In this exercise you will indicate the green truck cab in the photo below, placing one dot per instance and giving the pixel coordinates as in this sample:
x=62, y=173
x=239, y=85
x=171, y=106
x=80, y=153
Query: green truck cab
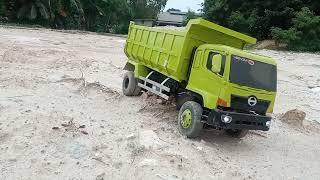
x=215, y=82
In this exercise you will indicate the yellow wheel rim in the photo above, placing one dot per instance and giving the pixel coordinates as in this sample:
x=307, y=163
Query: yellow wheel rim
x=186, y=119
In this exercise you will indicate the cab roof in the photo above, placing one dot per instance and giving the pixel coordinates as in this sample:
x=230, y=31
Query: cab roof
x=239, y=52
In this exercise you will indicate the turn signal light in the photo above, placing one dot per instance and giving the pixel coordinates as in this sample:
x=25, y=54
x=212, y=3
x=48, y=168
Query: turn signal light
x=222, y=102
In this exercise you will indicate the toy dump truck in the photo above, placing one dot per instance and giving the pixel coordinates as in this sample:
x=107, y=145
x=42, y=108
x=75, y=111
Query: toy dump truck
x=215, y=82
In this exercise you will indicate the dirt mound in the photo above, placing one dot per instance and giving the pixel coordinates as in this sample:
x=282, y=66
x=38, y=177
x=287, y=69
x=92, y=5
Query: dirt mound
x=270, y=44
x=294, y=117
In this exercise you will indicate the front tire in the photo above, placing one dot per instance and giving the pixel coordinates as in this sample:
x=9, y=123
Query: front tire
x=130, y=85
x=237, y=133
x=189, y=119
x=181, y=100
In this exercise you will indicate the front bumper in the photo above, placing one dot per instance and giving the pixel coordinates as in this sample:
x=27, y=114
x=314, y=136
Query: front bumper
x=239, y=120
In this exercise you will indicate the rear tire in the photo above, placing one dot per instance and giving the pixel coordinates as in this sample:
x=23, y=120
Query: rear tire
x=130, y=85
x=237, y=133
x=189, y=119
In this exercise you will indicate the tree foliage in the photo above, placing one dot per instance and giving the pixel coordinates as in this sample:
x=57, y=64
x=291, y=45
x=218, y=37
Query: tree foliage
x=303, y=35
x=93, y=15
x=265, y=19
x=190, y=15
x=256, y=17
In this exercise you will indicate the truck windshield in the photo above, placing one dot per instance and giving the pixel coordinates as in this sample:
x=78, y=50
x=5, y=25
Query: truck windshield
x=255, y=74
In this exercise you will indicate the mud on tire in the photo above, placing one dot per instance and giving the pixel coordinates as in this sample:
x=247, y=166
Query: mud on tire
x=130, y=85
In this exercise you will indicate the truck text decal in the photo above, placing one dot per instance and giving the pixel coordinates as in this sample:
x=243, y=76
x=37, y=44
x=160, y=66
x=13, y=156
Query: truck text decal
x=249, y=61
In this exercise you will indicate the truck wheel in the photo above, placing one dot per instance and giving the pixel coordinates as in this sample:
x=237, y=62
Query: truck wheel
x=189, y=119
x=181, y=100
x=130, y=85
x=237, y=133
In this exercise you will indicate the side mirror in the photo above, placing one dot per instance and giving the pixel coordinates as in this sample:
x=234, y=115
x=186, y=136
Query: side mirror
x=216, y=63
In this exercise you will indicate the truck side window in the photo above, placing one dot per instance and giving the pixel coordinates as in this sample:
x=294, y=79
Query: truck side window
x=209, y=62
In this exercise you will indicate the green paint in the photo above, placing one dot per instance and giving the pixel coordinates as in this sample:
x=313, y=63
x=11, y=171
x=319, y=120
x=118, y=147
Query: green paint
x=169, y=52
x=186, y=120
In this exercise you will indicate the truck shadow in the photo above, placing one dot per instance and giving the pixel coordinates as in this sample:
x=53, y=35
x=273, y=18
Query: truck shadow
x=219, y=138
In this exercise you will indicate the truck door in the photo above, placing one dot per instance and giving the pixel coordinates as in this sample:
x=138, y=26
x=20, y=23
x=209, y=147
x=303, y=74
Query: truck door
x=203, y=80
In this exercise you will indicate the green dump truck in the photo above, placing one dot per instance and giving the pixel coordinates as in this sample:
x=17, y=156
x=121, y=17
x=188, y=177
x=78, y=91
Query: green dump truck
x=215, y=82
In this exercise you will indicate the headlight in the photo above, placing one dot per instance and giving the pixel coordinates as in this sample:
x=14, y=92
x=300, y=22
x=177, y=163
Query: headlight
x=268, y=124
x=226, y=119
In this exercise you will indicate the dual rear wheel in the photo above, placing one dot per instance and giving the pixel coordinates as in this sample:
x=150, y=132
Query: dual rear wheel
x=130, y=84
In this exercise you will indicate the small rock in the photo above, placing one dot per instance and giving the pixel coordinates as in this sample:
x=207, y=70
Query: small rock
x=55, y=128
x=149, y=139
x=101, y=176
x=84, y=132
x=148, y=162
x=199, y=148
x=82, y=126
x=160, y=101
x=131, y=136
x=175, y=176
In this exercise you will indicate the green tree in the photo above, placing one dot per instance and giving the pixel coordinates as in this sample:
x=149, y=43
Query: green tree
x=2, y=8
x=146, y=9
x=93, y=15
x=114, y=17
x=256, y=17
x=190, y=15
x=303, y=35
x=2, y=12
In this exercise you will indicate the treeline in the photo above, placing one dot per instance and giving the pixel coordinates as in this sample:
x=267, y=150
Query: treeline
x=92, y=15
x=294, y=22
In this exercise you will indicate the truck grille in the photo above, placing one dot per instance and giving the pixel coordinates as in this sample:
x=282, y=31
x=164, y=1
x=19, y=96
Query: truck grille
x=240, y=104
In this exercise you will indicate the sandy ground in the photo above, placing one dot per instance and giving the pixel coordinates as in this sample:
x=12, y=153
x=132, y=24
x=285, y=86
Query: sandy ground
x=63, y=116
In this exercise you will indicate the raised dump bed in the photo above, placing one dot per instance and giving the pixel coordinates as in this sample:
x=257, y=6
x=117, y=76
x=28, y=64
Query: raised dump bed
x=169, y=51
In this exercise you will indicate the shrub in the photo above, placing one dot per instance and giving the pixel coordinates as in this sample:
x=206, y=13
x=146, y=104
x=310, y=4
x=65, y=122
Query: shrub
x=304, y=35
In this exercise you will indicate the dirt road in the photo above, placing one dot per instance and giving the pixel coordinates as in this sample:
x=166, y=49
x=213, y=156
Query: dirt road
x=63, y=116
